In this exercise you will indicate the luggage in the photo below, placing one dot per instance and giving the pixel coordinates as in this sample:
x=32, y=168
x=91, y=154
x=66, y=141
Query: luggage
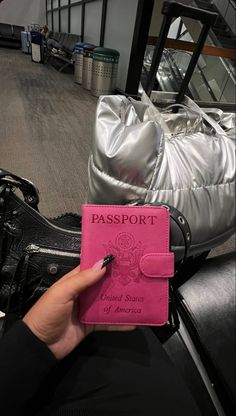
x=172, y=10
x=183, y=158
x=37, y=46
x=34, y=27
x=26, y=42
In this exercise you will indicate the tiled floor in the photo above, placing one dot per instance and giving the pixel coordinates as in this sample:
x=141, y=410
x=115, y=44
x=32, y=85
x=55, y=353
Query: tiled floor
x=46, y=123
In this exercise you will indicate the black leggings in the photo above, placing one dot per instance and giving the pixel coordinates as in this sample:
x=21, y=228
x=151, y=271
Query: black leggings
x=118, y=373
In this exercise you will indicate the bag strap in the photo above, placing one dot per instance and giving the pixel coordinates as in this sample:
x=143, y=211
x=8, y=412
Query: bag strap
x=154, y=114
x=28, y=189
x=190, y=104
x=183, y=225
x=166, y=331
x=188, y=111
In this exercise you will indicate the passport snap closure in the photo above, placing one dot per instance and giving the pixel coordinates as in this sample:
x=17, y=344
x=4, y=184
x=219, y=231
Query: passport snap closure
x=159, y=265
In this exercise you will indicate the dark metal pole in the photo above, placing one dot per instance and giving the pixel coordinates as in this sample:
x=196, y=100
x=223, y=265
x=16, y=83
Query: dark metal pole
x=179, y=29
x=139, y=43
x=103, y=22
x=52, y=14
x=59, y=15
x=69, y=9
x=46, y=9
x=82, y=22
x=158, y=53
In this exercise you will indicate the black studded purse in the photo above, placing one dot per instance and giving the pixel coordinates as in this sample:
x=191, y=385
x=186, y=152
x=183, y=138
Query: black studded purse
x=34, y=251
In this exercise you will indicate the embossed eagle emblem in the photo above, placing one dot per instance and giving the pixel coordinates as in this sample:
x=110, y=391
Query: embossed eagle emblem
x=127, y=254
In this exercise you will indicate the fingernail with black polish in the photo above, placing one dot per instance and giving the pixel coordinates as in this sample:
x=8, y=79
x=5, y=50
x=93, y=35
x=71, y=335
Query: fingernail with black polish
x=102, y=263
x=107, y=260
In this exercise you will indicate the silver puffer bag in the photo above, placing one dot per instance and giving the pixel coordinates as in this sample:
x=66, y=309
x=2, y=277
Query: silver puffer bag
x=185, y=159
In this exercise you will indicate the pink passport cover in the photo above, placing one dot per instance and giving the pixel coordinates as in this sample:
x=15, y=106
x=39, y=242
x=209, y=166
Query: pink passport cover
x=135, y=288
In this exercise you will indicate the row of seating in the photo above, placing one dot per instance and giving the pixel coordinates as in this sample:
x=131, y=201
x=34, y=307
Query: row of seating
x=67, y=42
x=10, y=35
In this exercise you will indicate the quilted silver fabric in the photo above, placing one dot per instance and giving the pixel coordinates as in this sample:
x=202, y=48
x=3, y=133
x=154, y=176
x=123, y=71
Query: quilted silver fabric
x=185, y=159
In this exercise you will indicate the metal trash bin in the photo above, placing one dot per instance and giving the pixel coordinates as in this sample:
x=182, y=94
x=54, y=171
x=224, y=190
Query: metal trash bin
x=78, y=58
x=87, y=66
x=105, y=65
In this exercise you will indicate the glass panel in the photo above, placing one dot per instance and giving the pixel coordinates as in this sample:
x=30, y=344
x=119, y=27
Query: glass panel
x=56, y=21
x=75, y=20
x=220, y=76
x=174, y=28
x=228, y=92
x=64, y=2
x=48, y=4
x=222, y=33
x=227, y=11
x=55, y=4
x=213, y=78
x=64, y=20
x=49, y=20
x=195, y=28
x=74, y=1
x=92, y=22
x=189, y=30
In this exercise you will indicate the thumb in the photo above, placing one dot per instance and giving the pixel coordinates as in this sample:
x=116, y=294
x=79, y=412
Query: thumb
x=74, y=285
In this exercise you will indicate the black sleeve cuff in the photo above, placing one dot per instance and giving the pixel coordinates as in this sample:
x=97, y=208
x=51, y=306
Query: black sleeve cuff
x=25, y=362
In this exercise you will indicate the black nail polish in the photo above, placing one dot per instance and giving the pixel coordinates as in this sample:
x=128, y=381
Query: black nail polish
x=107, y=260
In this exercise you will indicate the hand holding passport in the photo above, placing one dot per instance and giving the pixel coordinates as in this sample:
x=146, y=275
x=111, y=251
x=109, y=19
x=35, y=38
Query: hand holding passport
x=135, y=288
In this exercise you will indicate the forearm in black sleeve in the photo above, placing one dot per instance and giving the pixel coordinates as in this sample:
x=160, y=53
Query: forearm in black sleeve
x=25, y=362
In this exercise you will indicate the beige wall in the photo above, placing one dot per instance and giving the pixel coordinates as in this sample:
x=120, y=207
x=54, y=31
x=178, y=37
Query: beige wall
x=22, y=12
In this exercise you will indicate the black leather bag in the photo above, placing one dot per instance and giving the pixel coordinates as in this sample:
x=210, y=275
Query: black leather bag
x=36, y=251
